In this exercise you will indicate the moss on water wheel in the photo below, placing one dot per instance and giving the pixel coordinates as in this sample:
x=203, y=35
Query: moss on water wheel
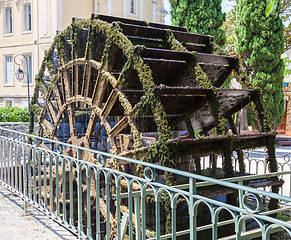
x=77, y=47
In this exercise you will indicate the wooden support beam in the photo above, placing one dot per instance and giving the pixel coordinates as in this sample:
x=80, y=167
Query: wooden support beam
x=86, y=80
x=109, y=103
x=91, y=126
x=123, y=123
x=51, y=111
x=240, y=155
x=99, y=90
x=70, y=109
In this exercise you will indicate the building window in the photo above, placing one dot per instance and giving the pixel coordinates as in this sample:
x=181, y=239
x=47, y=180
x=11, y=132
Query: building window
x=8, y=20
x=132, y=7
x=27, y=17
x=98, y=7
x=9, y=76
x=29, y=62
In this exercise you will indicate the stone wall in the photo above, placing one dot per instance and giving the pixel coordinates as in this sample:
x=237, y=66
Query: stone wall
x=16, y=126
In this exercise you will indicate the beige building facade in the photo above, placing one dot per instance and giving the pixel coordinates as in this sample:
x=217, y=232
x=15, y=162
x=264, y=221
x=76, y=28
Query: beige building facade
x=28, y=27
x=285, y=127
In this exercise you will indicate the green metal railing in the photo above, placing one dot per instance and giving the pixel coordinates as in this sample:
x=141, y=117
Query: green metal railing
x=99, y=202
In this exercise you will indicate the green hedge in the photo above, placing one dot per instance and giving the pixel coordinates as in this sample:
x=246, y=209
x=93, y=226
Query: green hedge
x=14, y=114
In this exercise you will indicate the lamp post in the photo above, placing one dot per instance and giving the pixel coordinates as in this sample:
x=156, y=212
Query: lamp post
x=19, y=74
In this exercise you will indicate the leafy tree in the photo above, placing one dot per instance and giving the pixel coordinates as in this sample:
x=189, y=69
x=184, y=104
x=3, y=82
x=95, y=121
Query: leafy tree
x=286, y=17
x=260, y=44
x=230, y=23
x=271, y=7
x=287, y=62
x=199, y=16
x=228, y=27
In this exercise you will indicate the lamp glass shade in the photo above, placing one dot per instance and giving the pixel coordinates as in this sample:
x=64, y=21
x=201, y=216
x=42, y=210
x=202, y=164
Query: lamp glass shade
x=19, y=74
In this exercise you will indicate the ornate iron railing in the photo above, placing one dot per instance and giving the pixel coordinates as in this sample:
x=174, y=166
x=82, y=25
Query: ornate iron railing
x=97, y=202
x=256, y=163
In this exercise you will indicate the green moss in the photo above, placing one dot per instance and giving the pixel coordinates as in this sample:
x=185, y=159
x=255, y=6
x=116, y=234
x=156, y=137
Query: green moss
x=35, y=108
x=173, y=43
x=218, y=50
x=201, y=77
x=114, y=37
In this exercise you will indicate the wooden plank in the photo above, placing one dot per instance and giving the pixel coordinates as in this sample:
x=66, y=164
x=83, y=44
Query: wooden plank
x=144, y=41
x=142, y=31
x=154, y=32
x=57, y=96
x=111, y=19
x=47, y=126
x=216, y=59
x=91, y=125
x=86, y=80
x=201, y=146
x=99, y=90
x=162, y=53
x=109, y=103
x=123, y=123
x=70, y=109
x=51, y=111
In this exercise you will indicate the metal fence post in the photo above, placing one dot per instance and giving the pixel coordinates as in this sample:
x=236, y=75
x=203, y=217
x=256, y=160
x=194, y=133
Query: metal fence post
x=80, y=212
x=193, y=220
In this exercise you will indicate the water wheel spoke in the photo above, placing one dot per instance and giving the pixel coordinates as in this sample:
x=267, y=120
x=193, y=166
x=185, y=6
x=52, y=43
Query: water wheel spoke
x=42, y=145
x=97, y=136
x=109, y=103
x=91, y=125
x=123, y=123
x=86, y=80
x=75, y=74
x=70, y=109
x=57, y=95
x=126, y=68
x=62, y=89
x=45, y=124
x=43, y=90
x=51, y=111
x=51, y=69
x=99, y=90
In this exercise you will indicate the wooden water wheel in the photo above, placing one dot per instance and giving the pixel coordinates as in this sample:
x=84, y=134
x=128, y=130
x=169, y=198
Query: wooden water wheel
x=120, y=85
x=142, y=90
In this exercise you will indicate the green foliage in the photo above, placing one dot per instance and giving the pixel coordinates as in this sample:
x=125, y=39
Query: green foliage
x=271, y=7
x=260, y=44
x=200, y=16
x=227, y=83
x=228, y=27
x=287, y=63
x=231, y=22
x=282, y=235
x=14, y=114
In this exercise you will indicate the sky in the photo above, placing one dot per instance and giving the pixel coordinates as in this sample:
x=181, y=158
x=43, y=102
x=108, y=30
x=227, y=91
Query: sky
x=226, y=6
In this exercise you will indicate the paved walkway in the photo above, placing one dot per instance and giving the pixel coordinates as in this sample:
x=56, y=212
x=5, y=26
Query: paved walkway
x=18, y=225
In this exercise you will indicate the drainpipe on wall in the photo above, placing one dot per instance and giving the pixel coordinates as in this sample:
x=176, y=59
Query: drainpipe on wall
x=154, y=11
x=124, y=8
x=109, y=8
x=141, y=10
x=36, y=46
x=93, y=2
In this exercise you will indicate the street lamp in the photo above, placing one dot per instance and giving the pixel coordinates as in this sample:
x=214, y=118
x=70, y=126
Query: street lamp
x=19, y=74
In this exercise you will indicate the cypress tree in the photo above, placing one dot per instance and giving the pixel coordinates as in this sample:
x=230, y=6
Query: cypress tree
x=260, y=44
x=199, y=16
